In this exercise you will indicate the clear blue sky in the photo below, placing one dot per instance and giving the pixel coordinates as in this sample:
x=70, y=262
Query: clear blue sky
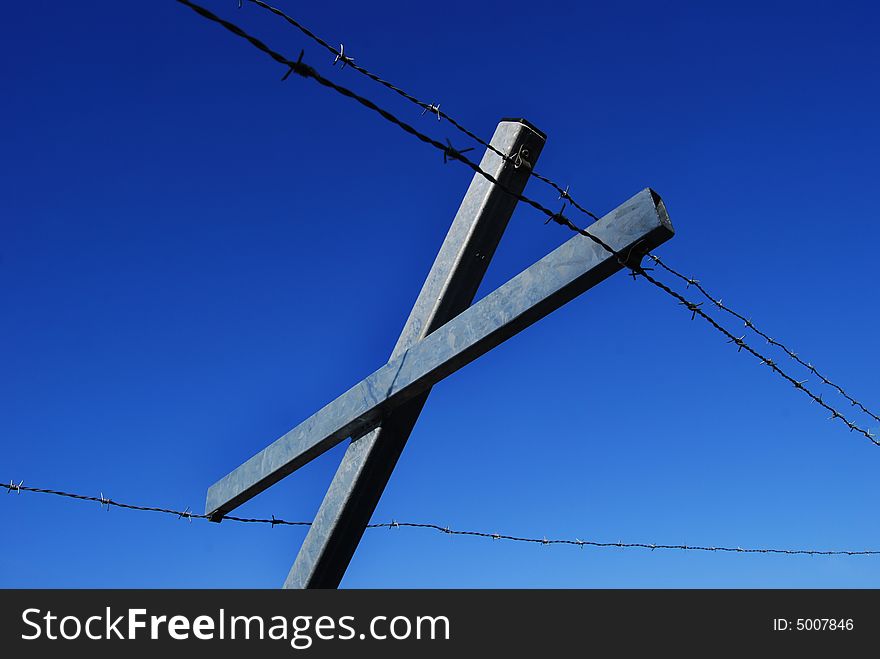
x=196, y=256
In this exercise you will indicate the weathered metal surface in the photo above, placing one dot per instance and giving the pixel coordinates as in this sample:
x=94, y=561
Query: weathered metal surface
x=448, y=290
x=638, y=225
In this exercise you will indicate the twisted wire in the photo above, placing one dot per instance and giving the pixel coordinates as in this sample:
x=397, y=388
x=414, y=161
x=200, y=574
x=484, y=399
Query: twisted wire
x=577, y=542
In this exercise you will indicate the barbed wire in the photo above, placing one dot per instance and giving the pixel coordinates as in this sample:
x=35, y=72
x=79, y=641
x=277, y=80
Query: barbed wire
x=107, y=503
x=433, y=108
x=302, y=69
x=747, y=322
x=449, y=153
x=273, y=521
x=741, y=344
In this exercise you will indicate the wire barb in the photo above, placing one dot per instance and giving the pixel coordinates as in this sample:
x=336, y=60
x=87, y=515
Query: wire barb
x=342, y=57
x=434, y=109
x=692, y=307
x=450, y=153
x=298, y=67
x=559, y=218
x=739, y=341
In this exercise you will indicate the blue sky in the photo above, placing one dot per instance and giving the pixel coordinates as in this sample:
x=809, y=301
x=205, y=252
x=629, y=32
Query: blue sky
x=196, y=256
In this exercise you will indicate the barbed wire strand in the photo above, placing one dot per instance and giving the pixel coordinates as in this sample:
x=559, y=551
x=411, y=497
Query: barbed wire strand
x=339, y=55
x=306, y=71
x=273, y=521
x=107, y=503
x=748, y=323
x=741, y=344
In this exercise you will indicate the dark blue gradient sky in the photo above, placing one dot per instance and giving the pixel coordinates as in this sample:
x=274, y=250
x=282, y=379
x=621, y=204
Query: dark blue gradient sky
x=195, y=256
